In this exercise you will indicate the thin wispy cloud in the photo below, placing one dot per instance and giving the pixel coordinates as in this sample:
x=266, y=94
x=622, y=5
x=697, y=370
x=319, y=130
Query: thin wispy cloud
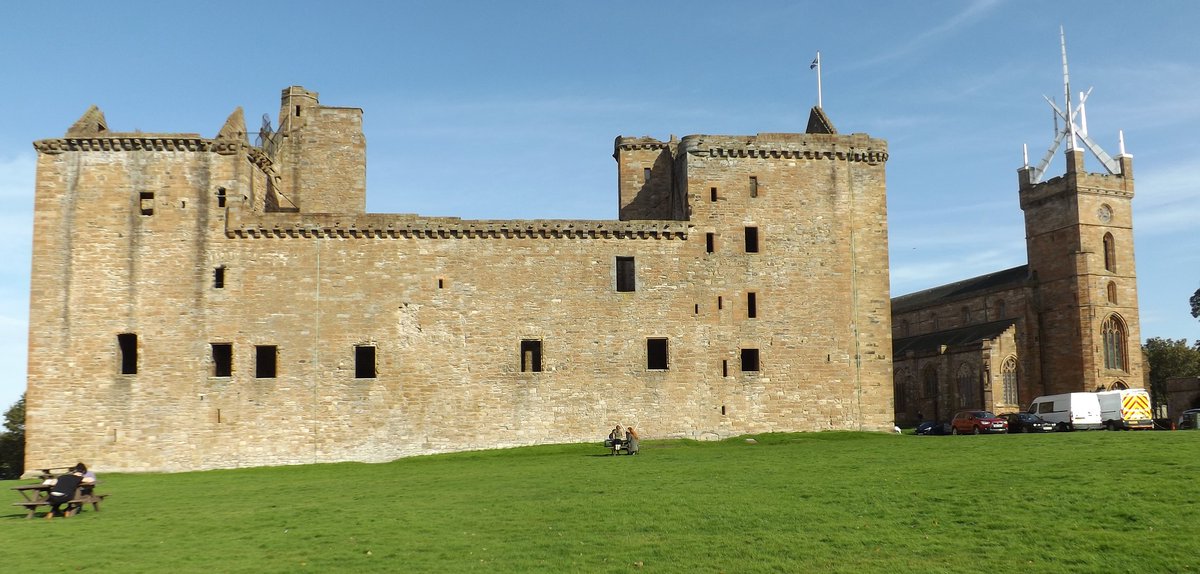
x=973, y=13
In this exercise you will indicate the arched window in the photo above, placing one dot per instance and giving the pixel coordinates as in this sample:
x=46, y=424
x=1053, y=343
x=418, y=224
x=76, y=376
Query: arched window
x=1112, y=292
x=1001, y=309
x=966, y=386
x=1118, y=386
x=1008, y=374
x=1114, y=343
x=1110, y=253
x=931, y=382
x=902, y=388
x=966, y=316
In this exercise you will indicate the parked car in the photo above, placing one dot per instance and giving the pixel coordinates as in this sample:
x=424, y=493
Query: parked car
x=1025, y=422
x=976, y=422
x=933, y=428
x=1190, y=419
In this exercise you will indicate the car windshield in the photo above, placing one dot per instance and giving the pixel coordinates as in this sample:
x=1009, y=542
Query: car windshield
x=984, y=415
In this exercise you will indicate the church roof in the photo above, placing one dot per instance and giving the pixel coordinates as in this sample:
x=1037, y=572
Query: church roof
x=951, y=338
x=994, y=281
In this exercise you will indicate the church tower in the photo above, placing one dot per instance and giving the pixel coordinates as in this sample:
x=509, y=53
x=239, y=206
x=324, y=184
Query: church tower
x=1079, y=238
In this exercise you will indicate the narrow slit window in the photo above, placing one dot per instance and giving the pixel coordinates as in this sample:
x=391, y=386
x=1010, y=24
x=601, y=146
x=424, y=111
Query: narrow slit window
x=751, y=240
x=749, y=360
x=724, y=368
x=441, y=283
x=297, y=111
x=531, y=356
x=127, y=345
x=697, y=308
x=712, y=194
x=753, y=186
x=751, y=305
x=1110, y=253
x=720, y=302
x=266, y=361
x=625, y=274
x=646, y=175
x=222, y=359
x=146, y=202
x=219, y=277
x=364, y=361
x=656, y=354
x=221, y=197
x=710, y=242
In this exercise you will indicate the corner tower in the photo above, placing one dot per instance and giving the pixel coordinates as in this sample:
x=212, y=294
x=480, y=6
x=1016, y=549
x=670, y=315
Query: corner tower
x=321, y=155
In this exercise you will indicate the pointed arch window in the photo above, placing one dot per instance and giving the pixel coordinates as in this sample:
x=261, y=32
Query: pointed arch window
x=1110, y=253
x=931, y=382
x=966, y=386
x=1114, y=343
x=1112, y=292
x=1008, y=374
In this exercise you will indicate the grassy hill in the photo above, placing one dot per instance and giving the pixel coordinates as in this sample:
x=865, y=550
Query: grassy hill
x=814, y=502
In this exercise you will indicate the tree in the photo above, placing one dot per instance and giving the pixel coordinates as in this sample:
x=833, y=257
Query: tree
x=12, y=441
x=1167, y=358
x=1195, y=301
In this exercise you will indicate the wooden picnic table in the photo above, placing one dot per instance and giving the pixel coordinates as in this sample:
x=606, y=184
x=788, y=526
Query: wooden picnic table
x=36, y=495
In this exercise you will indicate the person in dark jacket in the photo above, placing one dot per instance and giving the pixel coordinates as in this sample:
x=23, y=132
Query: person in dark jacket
x=63, y=490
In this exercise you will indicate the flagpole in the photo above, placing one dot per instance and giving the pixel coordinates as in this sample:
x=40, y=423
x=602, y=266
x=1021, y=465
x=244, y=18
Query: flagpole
x=818, y=61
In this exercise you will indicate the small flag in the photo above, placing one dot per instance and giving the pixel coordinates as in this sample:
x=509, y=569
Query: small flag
x=816, y=61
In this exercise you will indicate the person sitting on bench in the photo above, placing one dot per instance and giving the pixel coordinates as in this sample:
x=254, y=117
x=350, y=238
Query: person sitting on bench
x=62, y=491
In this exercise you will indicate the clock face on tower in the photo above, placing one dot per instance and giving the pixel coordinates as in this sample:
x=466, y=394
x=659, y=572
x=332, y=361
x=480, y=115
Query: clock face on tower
x=1104, y=214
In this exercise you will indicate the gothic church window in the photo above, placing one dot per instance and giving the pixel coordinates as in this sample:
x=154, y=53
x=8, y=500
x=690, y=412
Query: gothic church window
x=1008, y=374
x=625, y=274
x=1112, y=292
x=931, y=382
x=1110, y=253
x=1114, y=343
x=1001, y=309
x=966, y=387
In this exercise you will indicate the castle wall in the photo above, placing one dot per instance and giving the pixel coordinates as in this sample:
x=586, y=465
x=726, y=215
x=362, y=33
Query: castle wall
x=446, y=304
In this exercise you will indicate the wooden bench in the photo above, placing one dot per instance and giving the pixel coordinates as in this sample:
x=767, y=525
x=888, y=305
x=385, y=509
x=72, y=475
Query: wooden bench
x=73, y=506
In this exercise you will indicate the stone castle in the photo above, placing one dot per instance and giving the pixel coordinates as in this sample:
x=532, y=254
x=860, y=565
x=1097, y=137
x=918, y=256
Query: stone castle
x=207, y=303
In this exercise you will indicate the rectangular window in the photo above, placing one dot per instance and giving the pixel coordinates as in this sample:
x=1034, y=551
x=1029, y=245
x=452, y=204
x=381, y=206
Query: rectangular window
x=712, y=194
x=127, y=344
x=724, y=368
x=147, y=202
x=531, y=356
x=219, y=277
x=749, y=360
x=266, y=360
x=751, y=240
x=656, y=354
x=753, y=186
x=751, y=305
x=646, y=175
x=710, y=240
x=364, y=361
x=220, y=197
x=625, y=275
x=222, y=359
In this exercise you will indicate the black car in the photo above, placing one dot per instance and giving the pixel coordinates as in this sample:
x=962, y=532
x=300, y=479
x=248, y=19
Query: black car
x=1027, y=422
x=934, y=428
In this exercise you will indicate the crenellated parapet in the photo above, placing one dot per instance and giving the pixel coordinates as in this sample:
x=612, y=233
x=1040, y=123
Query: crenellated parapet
x=854, y=148
x=405, y=226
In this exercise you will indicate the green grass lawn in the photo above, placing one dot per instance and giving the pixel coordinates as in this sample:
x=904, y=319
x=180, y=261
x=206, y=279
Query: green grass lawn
x=814, y=502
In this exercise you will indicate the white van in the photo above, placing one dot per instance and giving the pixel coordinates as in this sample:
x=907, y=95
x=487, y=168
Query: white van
x=1125, y=409
x=1069, y=411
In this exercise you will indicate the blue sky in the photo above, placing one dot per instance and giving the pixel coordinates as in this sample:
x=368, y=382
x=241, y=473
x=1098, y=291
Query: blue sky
x=509, y=109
